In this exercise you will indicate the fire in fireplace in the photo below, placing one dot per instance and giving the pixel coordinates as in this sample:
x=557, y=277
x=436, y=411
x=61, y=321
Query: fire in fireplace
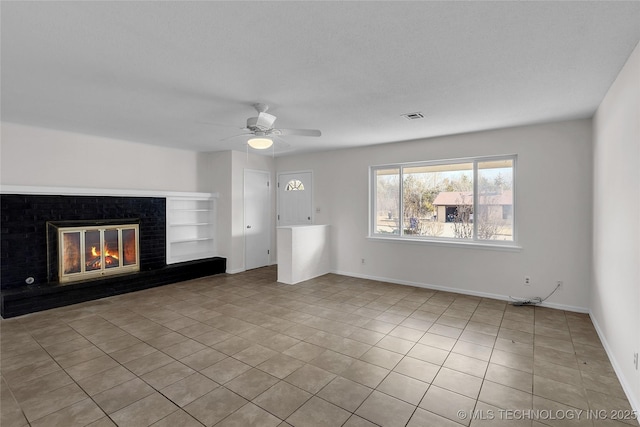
x=95, y=251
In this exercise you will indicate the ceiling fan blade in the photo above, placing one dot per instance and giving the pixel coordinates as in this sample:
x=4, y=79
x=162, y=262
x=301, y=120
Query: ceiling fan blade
x=234, y=136
x=300, y=132
x=281, y=143
x=212, y=123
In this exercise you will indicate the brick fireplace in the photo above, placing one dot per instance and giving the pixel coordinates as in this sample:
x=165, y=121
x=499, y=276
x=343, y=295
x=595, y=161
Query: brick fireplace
x=30, y=277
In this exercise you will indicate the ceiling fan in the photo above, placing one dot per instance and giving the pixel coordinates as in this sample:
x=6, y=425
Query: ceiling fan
x=261, y=127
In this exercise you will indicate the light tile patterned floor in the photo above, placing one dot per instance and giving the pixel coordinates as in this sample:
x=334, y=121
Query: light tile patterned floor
x=243, y=350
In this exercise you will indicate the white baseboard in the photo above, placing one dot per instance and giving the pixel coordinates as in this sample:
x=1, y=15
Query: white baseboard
x=241, y=270
x=634, y=401
x=458, y=290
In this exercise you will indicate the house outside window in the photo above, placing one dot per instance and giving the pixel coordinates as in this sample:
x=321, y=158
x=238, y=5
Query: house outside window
x=464, y=200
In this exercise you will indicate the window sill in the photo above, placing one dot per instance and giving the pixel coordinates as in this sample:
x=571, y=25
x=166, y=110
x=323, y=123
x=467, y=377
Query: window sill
x=508, y=247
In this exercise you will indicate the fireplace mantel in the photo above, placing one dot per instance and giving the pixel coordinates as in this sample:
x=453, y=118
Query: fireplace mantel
x=84, y=191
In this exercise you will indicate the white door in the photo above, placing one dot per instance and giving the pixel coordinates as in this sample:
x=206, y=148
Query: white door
x=257, y=219
x=295, y=198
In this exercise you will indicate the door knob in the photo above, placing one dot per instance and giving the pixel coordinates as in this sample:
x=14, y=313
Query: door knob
x=248, y=226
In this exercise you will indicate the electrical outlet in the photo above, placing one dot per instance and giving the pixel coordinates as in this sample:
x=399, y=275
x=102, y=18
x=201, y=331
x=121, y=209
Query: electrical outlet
x=635, y=360
x=527, y=280
x=560, y=285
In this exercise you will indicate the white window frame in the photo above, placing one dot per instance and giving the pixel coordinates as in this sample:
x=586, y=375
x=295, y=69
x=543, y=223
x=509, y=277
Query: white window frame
x=446, y=241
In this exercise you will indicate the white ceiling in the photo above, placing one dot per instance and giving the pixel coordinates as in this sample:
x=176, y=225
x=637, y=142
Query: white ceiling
x=156, y=72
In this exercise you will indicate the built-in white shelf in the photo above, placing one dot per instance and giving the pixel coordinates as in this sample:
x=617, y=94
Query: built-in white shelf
x=192, y=240
x=191, y=230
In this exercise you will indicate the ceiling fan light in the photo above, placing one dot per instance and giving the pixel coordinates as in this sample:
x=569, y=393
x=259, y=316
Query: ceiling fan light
x=260, y=143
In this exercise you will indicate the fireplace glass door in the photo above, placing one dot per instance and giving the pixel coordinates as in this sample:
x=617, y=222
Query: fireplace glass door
x=87, y=252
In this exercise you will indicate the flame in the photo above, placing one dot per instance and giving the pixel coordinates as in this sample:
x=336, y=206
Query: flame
x=107, y=253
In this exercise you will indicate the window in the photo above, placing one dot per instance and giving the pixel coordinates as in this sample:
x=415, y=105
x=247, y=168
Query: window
x=294, y=185
x=468, y=200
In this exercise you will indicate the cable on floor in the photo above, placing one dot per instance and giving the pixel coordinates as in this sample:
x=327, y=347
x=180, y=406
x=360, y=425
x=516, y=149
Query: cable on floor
x=533, y=300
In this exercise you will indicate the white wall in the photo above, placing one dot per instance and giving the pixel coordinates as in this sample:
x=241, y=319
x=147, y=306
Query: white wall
x=43, y=157
x=227, y=178
x=615, y=291
x=553, y=208
x=219, y=165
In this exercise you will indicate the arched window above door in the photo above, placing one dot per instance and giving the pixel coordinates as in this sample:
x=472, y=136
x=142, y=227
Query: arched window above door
x=294, y=185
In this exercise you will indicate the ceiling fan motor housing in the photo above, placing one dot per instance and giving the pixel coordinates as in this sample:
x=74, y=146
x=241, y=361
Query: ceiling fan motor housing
x=263, y=122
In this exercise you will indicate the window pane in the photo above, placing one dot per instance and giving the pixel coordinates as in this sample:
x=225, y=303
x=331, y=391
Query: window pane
x=129, y=255
x=495, y=200
x=294, y=185
x=111, y=249
x=71, y=258
x=438, y=200
x=93, y=251
x=387, y=203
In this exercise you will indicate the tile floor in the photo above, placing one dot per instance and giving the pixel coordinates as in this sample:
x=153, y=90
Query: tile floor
x=243, y=350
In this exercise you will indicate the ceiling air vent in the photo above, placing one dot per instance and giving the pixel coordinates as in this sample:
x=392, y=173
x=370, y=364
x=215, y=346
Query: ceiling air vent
x=413, y=116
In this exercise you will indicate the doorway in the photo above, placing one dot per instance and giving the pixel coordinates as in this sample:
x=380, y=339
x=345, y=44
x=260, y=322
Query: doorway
x=295, y=198
x=257, y=219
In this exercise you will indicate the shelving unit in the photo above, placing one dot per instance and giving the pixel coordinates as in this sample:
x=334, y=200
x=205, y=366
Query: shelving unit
x=191, y=228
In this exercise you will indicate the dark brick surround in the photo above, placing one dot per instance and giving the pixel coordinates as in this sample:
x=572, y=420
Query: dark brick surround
x=23, y=250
